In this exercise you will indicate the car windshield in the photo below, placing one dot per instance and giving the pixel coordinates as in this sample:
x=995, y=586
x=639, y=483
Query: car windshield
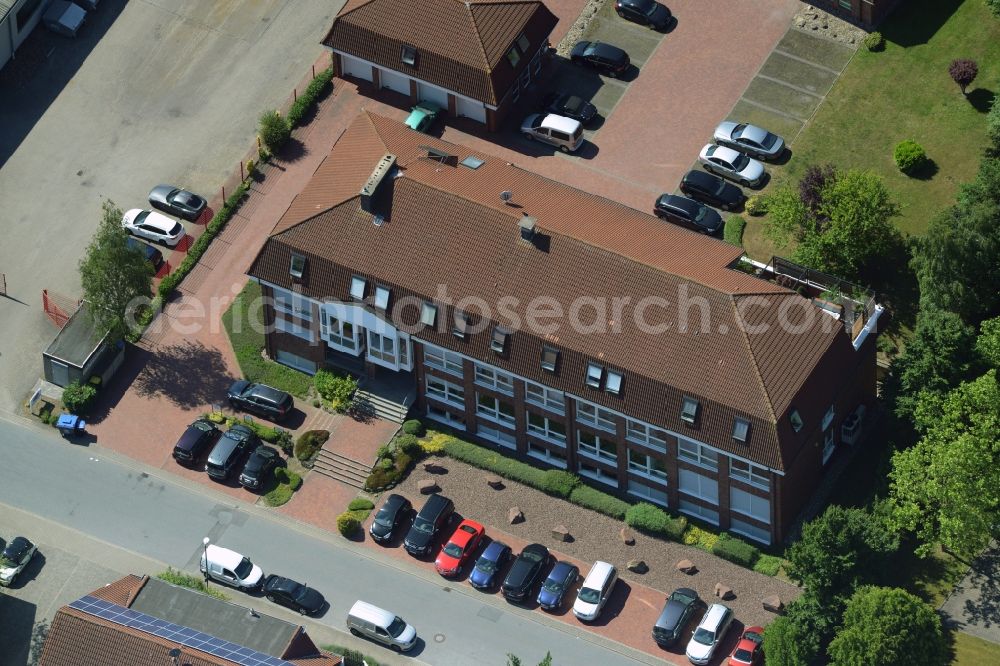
x=384, y=518
x=573, y=104
x=423, y=525
x=141, y=217
x=174, y=195
x=397, y=627
x=176, y=229
x=769, y=140
x=704, y=636
x=485, y=565
x=537, y=122
x=743, y=655
x=299, y=592
x=700, y=215
x=590, y=595
x=453, y=550
x=554, y=586
x=681, y=597
x=244, y=568
x=741, y=162
x=531, y=557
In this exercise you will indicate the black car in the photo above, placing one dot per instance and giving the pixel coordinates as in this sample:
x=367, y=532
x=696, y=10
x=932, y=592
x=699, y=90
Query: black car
x=605, y=58
x=394, y=511
x=196, y=439
x=676, y=613
x=229, y=450
x=260, y=399
x=177, y=202
x=261, y=462
x=570, y=106
x=149, y=253
x=688, y=213
x=433, y=516
x=712, y=190
x=645, y=12
x=296, y=596
x=525, y=572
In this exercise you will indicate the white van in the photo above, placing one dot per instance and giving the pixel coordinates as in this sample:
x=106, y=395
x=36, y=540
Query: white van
x=564, y=133
x=230, y=568
x=595, y=591
x=364, y=619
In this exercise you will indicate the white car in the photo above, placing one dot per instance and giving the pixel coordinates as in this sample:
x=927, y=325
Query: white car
x=595, y=591
x=564, y=133
x=230, y=568
x=731, y=164
x=710, y=632
x=749, y=139
x=15, y=557
x=153, y=226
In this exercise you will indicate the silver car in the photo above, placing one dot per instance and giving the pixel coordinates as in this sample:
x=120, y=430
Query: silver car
x=731, y=164
x=749, y=139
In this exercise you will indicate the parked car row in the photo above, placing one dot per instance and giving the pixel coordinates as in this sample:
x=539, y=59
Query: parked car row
x=227, y=450
x=154, y=226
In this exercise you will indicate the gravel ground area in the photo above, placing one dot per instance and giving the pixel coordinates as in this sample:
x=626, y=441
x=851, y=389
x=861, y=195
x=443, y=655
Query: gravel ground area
x=596, y=537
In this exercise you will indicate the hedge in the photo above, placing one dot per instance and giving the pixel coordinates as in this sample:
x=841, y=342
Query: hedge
x=735, y=550
x=361, y=504
x=308, y=99
x=181, y=579
x=414, y=427
x=348, y=524
x=647, y=518
x=733, y=231
x=559, y=483
x=508, y=468
x=382, y=477
x=288, y=478
x=601, y=502
x=77, y=398
x=410, y=445
x=310, y=442
x=279, y=495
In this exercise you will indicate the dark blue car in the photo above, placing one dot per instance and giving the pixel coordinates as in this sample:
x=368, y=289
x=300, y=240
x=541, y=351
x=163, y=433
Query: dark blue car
x=560, y=579
x=487, y=570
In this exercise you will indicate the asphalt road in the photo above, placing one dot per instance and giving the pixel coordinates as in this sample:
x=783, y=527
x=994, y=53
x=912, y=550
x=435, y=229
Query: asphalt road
x=163, y=518
x=150, y=91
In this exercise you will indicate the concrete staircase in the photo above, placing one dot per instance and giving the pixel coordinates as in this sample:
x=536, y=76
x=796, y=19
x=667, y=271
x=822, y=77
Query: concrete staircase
x=342, y=469
x=389, y=409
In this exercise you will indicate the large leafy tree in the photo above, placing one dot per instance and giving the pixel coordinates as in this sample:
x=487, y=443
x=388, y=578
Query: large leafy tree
x=887, y=626
x=115, y=278
x=787, y=643
x=988, y=342
x=841, y=222
x=946, y=488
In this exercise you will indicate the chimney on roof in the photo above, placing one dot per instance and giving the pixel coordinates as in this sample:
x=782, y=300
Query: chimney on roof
x=527, y=225
x=382, y=169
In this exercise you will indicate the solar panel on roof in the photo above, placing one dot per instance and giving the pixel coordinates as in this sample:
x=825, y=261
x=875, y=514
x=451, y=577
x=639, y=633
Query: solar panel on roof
x=186, y=636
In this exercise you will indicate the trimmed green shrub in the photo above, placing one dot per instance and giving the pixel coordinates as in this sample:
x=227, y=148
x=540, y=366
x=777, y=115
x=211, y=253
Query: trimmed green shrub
x=909, y=156
x=414, y=427
x=699, y=538
x=733, y=231
x=756, y=205
x=735, y=550
x=874, y=42
x=279, y=495
x=348, y=524
x=308, y=99
x=361, y=504
x=769, y=565
x=483, y=458
x=388, y=476
x=310, y=442
x=336, y=389
x=77, y=398
x=601, y=502
x=559, y=482
x=647, y=518
x=409, y=444
x=274, y=130
x=676, y=527
x=181, y=579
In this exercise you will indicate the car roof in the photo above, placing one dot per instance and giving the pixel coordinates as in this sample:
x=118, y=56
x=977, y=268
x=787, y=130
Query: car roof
x=714, y=616
x=689, y=206
x=701, y=177
x=726, y=153
x=394, y=502
x=159, y=221
x=434, y=504
x=598, y=573
x=265, y=391
x=493, y=550
x=561, y=570
x=561, y=123
x=229, y=559
x=282, y=584
x=606, y=50
x=371, y=613
x=17, y=546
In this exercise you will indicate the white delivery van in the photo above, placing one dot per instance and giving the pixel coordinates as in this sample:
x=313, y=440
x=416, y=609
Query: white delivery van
x=380, y=625
x=230, y=568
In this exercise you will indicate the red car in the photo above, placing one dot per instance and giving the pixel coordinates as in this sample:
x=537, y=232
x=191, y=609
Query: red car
x=459, y=548
x=750, y=650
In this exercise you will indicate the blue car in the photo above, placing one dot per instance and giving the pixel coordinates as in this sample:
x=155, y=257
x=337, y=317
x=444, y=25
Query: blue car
x=487, y=570
x=560, y=579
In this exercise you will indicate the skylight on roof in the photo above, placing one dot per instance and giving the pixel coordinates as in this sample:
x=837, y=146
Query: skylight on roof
x=472, y=162
x=428, y=314
x=408, y=55
x=689, y=410
x=381, y=297
x=358, y=287
x=595, y=374
x=613, y=383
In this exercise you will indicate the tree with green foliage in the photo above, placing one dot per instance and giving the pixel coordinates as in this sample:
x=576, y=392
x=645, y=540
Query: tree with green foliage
x=936, y=359
x=988, y=342
x=514, y=660
x=963, y=72
x=994, y=6
x=786, y=644
x=846, y=232
x=886, y=626
x=993, y=120
x=946, y=488
x=274, y=130
x=116, y=279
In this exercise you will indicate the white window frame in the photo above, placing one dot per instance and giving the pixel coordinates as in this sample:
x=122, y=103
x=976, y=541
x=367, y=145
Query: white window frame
x=497, y=436
x=600, y=418
x=493, y=413
x=444, y=391
x=428, y=314
x=550, y=366
x=689, y=409
x=697, y=454
x=492, y=378
x=545, y=431
x=333, y=332
x=741, y=425
x=648, y=492
x=544, y=397
x=751, y=531
x=596, y=451
x=613, y=382
x=795, y=420
x=359, y=286
x=291, y=303
x=444, y=416
x=829, y=445
x=381, y=297
x=292, y=328
x=702, y=483
x=642, y=433
x=595, y=375
x=444, y=360
x=644, y=465
x=300, y=363
x=598, y=474
x=698, y=511
x=378, y=353
x=755, y=475
x=546, y=455
x=300, y=271
x=748, y=504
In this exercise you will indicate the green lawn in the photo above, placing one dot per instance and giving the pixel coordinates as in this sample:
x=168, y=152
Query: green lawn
x=972, y=651
x=902, y=93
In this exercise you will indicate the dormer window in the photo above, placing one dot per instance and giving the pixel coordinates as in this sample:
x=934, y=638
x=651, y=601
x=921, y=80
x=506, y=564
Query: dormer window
x=461, y=328
x=428, y=314
x=595, y=373
x=297, y=267
x=741, y=428
x=498, y=343
x=382, y=297
x=513, y=57
x=358, y=288
x=613, y=384
x=795, y=420
x=523, y=43
x=550, y=358
x=689, y=410
x=408, y=55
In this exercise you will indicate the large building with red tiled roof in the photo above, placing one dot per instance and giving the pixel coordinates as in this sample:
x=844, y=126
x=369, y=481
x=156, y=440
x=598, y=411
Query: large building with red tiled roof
x=568, y=329
x=472, y=58
x=143, y=620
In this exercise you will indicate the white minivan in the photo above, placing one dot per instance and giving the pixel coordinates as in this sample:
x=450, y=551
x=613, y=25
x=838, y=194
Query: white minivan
x=595, y=591
x=365, y=619
x=230, y=568
x=564, y=133
x=710, y=632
